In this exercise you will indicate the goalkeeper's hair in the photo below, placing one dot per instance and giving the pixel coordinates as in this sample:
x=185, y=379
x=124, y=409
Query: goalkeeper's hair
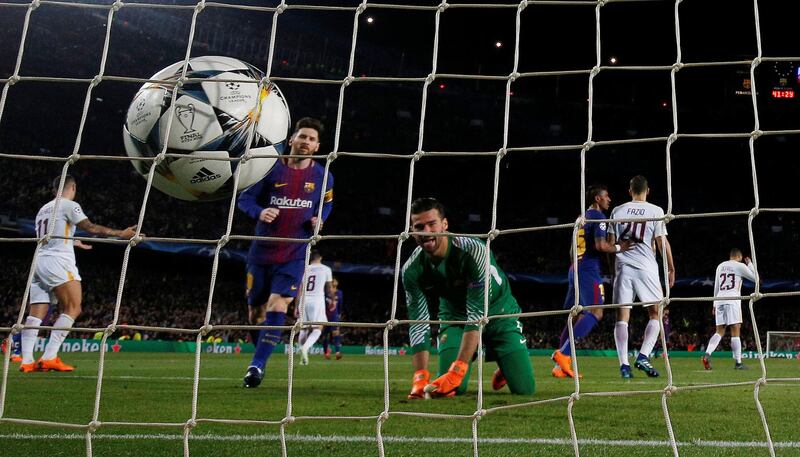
x=67, y=181
x=423, y=204
x=639, y=184
x=594, y=191
x=309, y=123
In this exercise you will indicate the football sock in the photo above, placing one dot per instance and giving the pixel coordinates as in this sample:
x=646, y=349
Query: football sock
x=57, y=337
x=29, y=336
x=325, y=341
x=312, y=338
x=337, y=343
x=713, y=343
x=586, y=322
x=736, y=347
x=16, y=344
x=268, y=339
x=621, y=338
x=301, y=337
x=650, y=337
x=254, y=336
x=564, y=337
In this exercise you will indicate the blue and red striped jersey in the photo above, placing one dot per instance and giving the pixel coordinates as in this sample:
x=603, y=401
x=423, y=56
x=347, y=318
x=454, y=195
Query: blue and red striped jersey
x=296, y=193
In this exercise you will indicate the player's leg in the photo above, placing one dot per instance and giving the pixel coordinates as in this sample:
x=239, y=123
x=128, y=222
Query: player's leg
x=326, y=339
x=16, y=348
x=716, y=338
x=648, y=288
x=256, y=299
x=623, y=293
x=283, y=282
x=37, y=312
x=562, y=361
x=337, y=342
x=314, y=312
x=449, y=345
x=70, y=295
x=591, y=293
x=506, y=344
x=735, y=319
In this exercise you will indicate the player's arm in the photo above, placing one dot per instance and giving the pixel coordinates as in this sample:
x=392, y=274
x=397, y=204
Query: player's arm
x=419, y=335
x=248, y=203
x=327, y=204
x=446, y=384
x=605, y=241
x=97, y=229
x=663, y=245
x=746, y=271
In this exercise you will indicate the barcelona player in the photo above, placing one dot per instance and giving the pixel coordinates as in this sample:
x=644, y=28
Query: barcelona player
x=285, y=203
x=592, y=246
x=335, y=301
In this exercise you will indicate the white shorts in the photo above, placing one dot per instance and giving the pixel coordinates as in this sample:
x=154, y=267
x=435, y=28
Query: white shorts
x=630, y=282
x=50, y=273
x=315, y=312
x=728, y=312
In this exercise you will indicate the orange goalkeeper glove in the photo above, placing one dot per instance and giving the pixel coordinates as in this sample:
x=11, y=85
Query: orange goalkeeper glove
x=446, y=384
x=421, y=379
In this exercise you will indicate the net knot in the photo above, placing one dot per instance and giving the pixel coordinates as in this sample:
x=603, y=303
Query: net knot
x=16, y=328
x=575, y=396
x=442, y=6
x=513, y=76
x=755, y=134
x=383, y=417
x=575, y=310
x=602, y=2
x=479, y=414
x=402, y=237
x=755, y=296
x=190, y=424
x=315, y=239
x=418, y=155
x=673, y=137
x=93, y=426
x=483, y=321
x=595, y=71
x=392, y=323
x=110, y=329
x=677, y=66
x=493, y=234
x=348, y=80
x=588, y=145
x=362, y=7
x=135, y=240
x=281, y=8
x=74, y=158
x=13, y=80
x=159, y=158
x=756, y=62
x=223, y=240
x=670, y=390
x=664, y=302
x=430, y=78
x=200, y=6
x=96, y=80
x=333, y=156
x=761, y=382
x=287, y=420
x=35, y=4
x=522, y=5
x=117, y=6
x=754, y=212
x=502, y=153
x=206, y=329
x=245, y=157
x=669, y=217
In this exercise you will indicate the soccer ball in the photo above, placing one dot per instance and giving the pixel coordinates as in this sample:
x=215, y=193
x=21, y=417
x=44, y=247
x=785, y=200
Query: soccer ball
x=211, y=120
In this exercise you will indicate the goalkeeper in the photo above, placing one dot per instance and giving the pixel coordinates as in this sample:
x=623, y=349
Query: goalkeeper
x=449, y=273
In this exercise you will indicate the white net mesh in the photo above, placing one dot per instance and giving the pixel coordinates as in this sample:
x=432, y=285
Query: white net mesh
x=380, y=417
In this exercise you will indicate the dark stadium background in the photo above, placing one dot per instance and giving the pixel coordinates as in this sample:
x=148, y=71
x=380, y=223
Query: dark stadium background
x=536, y=188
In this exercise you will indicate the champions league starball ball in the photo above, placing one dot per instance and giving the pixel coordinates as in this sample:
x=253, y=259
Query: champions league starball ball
x=211, y=119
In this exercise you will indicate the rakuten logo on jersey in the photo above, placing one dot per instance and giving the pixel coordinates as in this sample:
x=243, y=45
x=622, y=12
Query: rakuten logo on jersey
x=286, y=202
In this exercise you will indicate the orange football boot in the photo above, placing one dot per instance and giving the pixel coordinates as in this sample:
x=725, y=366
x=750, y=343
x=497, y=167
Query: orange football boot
x=54, y=365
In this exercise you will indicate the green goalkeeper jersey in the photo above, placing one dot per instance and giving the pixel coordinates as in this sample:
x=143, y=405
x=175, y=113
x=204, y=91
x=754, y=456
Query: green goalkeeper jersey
x=456, y=283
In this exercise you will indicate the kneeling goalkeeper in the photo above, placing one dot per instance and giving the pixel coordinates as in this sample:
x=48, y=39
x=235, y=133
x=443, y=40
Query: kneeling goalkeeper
x=450, y=273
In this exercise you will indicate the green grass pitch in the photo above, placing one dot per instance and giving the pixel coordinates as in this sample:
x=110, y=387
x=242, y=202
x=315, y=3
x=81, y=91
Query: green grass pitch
x=157, y=388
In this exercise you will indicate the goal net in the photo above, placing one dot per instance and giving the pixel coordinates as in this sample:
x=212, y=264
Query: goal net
x=506, y=111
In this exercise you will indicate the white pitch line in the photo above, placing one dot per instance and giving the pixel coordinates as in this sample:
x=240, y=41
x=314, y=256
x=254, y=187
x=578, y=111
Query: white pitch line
x=400, y=439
